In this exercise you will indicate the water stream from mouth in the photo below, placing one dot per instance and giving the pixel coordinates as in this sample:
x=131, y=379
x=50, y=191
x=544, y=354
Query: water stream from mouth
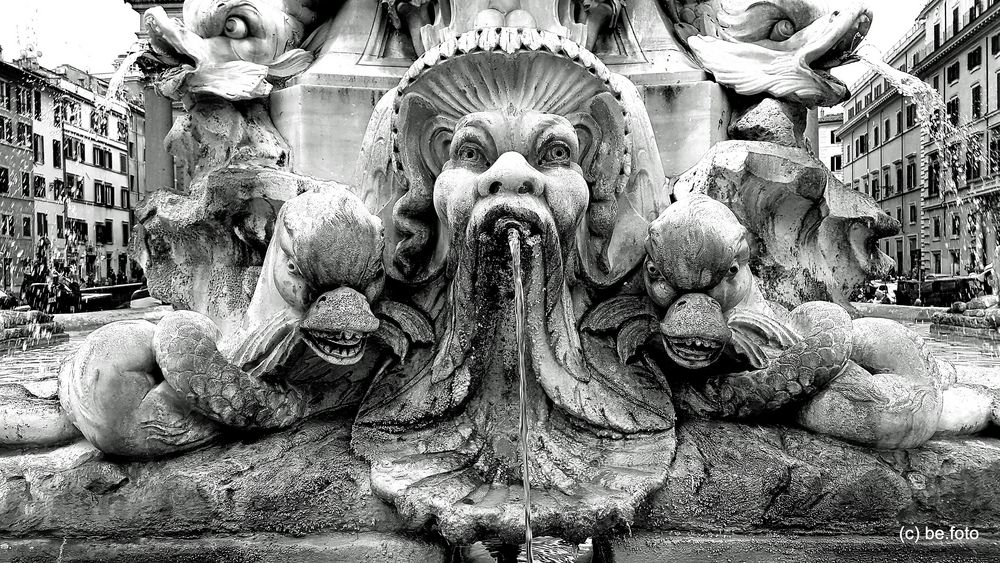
x=514, y=239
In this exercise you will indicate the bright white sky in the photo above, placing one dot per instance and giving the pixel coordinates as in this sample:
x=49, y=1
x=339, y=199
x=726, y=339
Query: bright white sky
x=90, y=34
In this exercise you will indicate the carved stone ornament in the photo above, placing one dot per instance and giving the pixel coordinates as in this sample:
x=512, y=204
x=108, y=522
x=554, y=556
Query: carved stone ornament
x=502, y=129
x=784, y=48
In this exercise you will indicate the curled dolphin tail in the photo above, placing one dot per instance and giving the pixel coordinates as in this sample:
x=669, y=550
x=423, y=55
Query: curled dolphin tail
x=31, y=418
x=186, y=351
x=800, y=371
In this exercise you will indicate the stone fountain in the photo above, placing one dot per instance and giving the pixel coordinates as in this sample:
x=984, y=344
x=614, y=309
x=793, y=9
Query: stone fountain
x=446, y=268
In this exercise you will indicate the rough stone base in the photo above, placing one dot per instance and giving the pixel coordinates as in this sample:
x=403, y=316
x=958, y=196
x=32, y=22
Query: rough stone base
x=305, y=483
x=655, y=548
x=335, y=548
x=729, y=478
x=990, y=334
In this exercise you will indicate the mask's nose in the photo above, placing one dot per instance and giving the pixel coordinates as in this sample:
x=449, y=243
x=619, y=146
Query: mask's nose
x=511, y=174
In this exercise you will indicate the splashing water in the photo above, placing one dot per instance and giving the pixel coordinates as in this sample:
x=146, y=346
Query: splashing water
x=945, y=169
x=117, y=82
x=514, y=239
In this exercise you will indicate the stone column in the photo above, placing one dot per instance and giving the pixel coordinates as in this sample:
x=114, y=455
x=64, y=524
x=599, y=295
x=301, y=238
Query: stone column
x=159, y=120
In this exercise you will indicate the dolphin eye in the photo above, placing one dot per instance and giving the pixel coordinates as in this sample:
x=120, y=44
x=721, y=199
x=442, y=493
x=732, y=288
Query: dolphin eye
x=735, y=269
x=236, y=28
x=651, y=270
x=293, y=269
x=783, y=30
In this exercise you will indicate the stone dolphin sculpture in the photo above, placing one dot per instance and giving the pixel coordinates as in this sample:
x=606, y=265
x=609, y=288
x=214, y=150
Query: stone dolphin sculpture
x=141, y=390
x=230, y=49
x=784, y=48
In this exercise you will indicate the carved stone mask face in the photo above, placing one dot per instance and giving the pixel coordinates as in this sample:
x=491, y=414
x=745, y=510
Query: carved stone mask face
x=527, y=164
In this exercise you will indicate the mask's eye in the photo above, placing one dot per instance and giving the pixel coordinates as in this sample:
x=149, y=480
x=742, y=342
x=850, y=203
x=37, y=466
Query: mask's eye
x=651, y=270
x=293, y=269
x=236, y=28
x=471, y=154
x=734, y=269
x=783, y=30
x=558, y=153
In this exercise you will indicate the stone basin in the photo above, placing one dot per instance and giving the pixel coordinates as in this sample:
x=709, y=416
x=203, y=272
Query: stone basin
x=256, y=497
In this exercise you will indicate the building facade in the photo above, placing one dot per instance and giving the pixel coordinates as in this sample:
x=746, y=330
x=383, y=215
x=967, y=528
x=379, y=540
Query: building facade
x=941, y=187
x=74, y=173
x=829, y=148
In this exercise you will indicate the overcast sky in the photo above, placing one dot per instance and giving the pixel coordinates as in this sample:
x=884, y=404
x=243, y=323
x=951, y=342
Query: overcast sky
x=90, y=34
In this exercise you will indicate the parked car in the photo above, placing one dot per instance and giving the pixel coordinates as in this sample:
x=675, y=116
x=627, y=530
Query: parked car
x=142, y=300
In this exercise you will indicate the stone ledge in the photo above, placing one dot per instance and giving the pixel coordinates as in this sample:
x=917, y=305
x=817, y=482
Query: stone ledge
x=655, y=548
x=334, y=548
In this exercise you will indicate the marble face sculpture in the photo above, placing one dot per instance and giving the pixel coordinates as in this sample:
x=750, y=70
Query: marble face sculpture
x=539, y=152
x=784, y=48
x=735, y=356
x=141, y=390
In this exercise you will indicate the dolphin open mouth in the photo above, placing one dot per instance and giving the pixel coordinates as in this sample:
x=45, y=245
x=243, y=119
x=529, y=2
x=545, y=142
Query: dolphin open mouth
x=341, y=348
x=693, y=353
x=337, y=326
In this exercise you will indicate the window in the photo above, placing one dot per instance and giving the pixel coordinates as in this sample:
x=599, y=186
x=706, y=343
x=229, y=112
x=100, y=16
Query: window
x=975, y=58
x=899, y=123
x=887, y=182
x=26, y=184
x=995, y=45
x=38, y=104
x=126, y=233
x=4, y=95
x=937, y=261
x=7, y=225
x=38, y=148
x=956, y=226
x=57, y=153
x=977, y=101
x=876, y=191
x=60, y=231
x=4, y=180
x=956, y=22
x=24, y=99
x=934, y=176
x=973, y=158
x=936, y=82
x=899, y=215
x=937, y=35
x=956, y=262
x=994, y=156
x=58, y=189
x=123, y=162
x=937, y=227
x=913, y=214
x=875, y=137
x=911, y=173
x=26, y=226
x=911, y=116
x=899, y=178
x=42, y=224
x=952, y=73
x=888, y=130
x=39, y=187
x=953, y=109
x=24, y=134
x=126, y=199
x=836, y=163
